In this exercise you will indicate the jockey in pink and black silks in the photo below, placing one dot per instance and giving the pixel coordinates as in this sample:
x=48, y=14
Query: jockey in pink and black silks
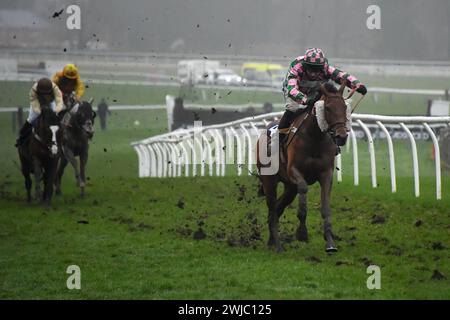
x=299, y=86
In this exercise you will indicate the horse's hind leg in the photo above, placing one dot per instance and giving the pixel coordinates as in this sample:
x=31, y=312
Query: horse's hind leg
x=325, y=191
x=62, y=165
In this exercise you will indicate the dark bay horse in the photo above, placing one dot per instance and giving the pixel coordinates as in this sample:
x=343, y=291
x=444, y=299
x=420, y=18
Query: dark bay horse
x=75, y=143
x=40, y=155
x=308, y=158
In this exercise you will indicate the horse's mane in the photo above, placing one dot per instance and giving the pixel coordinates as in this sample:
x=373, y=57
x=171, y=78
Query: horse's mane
x=49, y=116
x=84, y=105
x=330, y=87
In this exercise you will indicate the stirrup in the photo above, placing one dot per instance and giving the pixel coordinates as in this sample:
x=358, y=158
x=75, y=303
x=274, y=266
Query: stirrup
x=284, y=131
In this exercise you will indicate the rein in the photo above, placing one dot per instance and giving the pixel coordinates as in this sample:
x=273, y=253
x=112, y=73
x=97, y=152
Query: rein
x=356, y=104
x=330, y=131
x=333, y=125
x=296, y=129
x=359, y=100
x=73, y=115
x=37, y=137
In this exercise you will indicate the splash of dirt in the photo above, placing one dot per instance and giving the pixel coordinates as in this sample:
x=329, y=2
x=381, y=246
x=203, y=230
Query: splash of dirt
x=437, y=246
x=376, y=219
x=366, y=261
x=313, y=259
x=199, y=234
x=180, y=203
x=437, y=275
x=57, y=14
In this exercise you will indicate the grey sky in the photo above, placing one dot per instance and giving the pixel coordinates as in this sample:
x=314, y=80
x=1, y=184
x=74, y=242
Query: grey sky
x=411, y=29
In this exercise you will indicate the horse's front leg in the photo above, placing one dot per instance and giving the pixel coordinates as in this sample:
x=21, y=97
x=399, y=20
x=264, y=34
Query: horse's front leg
x=83, y=162
x=49, y=179
x=302, y=231
x=28, y=183
x=270, y=191
x=286, y=199
x=71, y=158
x=302, y=189
x=60, y=171
x=326, y=182
x=37, y=179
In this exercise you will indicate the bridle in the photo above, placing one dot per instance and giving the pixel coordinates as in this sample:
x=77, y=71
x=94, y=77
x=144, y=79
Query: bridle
x=75, y=121
x=332, y=128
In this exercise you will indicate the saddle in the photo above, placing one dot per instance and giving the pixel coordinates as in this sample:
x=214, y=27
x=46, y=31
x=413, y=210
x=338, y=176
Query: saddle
x=290, y=132
x=296, y=125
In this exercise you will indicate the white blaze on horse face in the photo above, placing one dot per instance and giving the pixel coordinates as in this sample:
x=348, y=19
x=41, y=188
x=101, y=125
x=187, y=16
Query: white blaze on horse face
x=54, y=147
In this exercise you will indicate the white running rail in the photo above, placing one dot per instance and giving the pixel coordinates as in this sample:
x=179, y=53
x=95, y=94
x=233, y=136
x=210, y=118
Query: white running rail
x=184, y=151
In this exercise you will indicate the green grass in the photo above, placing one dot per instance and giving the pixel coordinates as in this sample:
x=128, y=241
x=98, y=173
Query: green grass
x=16, y=94
x=139, y=240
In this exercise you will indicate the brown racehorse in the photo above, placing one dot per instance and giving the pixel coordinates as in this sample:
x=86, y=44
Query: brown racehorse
x=40, y=155
x=308, y=158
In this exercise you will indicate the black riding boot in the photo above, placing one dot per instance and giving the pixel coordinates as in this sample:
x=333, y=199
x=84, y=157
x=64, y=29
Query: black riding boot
x=24, y=133
x=285, y=122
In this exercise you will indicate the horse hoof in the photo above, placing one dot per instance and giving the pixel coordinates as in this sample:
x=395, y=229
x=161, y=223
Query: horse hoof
x=280, y=249
x=302, y=235
x=46, y=204
x=331, y=249
x=272, y=245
